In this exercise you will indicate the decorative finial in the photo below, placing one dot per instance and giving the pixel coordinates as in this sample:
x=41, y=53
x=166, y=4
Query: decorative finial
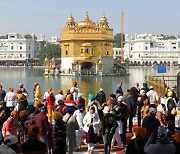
x=103, y=13
x=87, y=16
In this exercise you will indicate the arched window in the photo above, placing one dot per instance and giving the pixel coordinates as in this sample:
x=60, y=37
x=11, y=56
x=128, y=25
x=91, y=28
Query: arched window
x=116, y=52
x=81, y=50
x=107, y=53
x=87, y=51
x=66, y=52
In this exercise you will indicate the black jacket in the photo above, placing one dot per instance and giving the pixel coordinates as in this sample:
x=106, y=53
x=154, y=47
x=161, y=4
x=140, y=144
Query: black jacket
x=151, y=124
x=109, y=123
x=136, y=146
x=119, y=112
x=2, y=95
x=23, y=105
x=101, y=97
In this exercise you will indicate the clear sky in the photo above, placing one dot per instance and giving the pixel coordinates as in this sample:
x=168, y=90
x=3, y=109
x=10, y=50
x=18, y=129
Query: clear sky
x=49, y=16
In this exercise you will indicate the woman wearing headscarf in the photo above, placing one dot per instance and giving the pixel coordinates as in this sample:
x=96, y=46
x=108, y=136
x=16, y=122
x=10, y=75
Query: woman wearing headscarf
x=11, y=124
x=91, y=123
x=161, y=115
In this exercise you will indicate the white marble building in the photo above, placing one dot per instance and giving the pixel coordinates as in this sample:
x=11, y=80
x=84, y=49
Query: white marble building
x=152, y=48
x=14, y=46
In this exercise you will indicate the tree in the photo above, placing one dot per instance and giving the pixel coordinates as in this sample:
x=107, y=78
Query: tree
x=49, y=50
x=117, y=40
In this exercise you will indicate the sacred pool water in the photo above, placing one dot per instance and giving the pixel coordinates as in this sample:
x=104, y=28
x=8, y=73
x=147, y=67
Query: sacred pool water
x=88, y=84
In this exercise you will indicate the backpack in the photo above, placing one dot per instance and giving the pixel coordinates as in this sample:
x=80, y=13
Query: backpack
x=171, y=104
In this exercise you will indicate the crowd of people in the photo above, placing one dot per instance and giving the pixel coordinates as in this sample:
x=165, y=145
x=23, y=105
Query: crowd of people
x=60, y=124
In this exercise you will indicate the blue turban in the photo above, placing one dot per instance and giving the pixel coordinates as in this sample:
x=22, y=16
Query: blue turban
x=145, y=84
x=113, y=101
x=70, y=109
x=91, y=97
x=81, y=105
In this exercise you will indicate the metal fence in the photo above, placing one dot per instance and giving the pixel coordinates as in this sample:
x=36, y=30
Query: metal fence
x=160, y=83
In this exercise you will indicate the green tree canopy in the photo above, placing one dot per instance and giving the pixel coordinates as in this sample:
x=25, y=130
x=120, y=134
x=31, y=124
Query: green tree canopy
x=117, y=40
x=50, y=50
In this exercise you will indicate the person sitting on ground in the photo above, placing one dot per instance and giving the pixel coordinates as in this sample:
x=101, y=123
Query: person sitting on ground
x=10, y=145
x=150, y=122
x=33, y=145
x=137, y=143
x=4, y=114
x=162, y=145
x=10, y=127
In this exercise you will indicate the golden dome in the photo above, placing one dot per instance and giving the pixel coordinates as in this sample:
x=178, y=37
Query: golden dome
x=103, y=19
x=70, y=19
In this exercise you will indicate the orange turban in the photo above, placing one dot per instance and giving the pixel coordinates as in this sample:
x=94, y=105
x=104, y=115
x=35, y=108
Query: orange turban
x=60, y=91
x=176, y=137
x=20, y=97
x=140, y=131
x=49, y=89
x=34, y=130
x=23, y=113
x=11, y=89
x=14, y=113
x=37, y=103
x=67, y=91
x=36, y=83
